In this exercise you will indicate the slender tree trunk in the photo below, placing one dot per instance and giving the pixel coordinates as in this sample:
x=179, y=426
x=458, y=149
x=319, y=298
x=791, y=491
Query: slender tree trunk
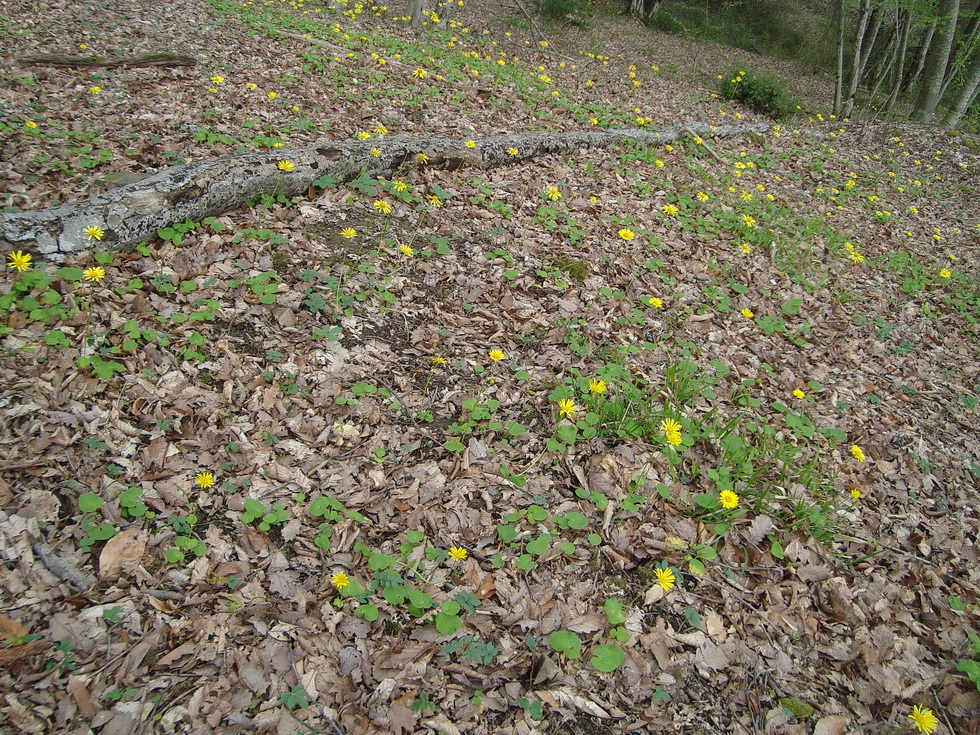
x=886, y=63
x=839, y=18
x=644, y=8
x=964, y=51
x=937, y=61
x=862, y=49
x=920, y=62
x=416, y=8
x=898, y=70
x=967, y=93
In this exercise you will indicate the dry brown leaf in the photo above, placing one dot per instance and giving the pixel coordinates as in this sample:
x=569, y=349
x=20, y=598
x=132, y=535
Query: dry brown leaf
x=122, y=552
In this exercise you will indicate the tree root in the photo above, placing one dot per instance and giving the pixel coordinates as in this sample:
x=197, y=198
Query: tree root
x=133, y=213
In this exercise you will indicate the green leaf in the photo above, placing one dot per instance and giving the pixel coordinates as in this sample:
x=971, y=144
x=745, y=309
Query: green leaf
x=608, y=657
x=69, y=274
x=525, y=562
x=89, y=502
x=540, y=545
x=564, y=641
x=515, y=429
x=506, y=533
x=577, y=520
x=454, y=445
x=614, y=611
x=696, y=567
x=447, y=624
x=56, y=338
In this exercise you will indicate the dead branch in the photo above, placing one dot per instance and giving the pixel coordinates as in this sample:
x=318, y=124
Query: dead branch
x=80, y=62
x=133, y=213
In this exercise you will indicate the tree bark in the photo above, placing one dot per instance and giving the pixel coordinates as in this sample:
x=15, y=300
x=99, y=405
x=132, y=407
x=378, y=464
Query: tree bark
x=839, y=20
x=937, y=61
x=416, y=9
x=899, y=68
x=134, y=213
x=967, y=93
x=857, y=63
x=644, y=8
x=965, y=48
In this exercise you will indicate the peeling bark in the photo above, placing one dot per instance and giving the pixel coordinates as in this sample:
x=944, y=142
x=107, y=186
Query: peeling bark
x=133, y=213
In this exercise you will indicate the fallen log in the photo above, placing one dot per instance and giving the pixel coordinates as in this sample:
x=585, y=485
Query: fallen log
x=133, y=213
x=85, y=62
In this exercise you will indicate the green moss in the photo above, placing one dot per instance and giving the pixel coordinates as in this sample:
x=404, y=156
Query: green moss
x=796, y=707
x=577, y=270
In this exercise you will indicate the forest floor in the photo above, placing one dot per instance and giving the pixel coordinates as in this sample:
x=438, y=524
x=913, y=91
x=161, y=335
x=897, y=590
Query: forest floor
x=672, y=439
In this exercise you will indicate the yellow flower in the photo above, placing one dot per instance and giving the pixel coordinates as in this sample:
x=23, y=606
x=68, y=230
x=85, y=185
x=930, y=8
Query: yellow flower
x=420, y=73
x=799, y=394
x=30, y=124
x=382, y=206
x=94, y=89
x=95, y=273
x=553, y=193
x=748, y=313
x=923, y=718
x=252, y=85
x=856, y=494
x=566, y=407
x=856, y=257
x=362, y=135
x=597, y=386
x=512, y=151
x=204, y=479
x=665, y=578
x=670, y=426
x=749, y=221
x=399, y=186
x=271, y=95
x=278, y=144
x=659, y=163
x=728, y=499
x=674, y=438
x=349, y=232
x=421, y=158
x=701, y=196
x=655, y=302
x=94, y=232
x=945, y=273
x=380, y=129
x=407, y=250
x=340, y=580
x=19, y=260
x=497, y=355
x=217, y=79
x=439, y=360
x=457, y=552
x=376, y=152
x=858, y=453
x=669, y=209
x=470, y=144
x=285, y=165
x=626, y=234
x=745, y=248
x=83, y=46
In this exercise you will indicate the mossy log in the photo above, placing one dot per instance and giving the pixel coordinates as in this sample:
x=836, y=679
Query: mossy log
x=133, y=213
x=85, y=62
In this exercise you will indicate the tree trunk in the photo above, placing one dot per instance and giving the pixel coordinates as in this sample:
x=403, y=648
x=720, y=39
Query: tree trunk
x=134, y=213
x=967, y=93
x=937, y=61
x=839, y=19
x=964, y=51
x=416, y=8
x=857, y=68
x=644, y=8
x=899, y=68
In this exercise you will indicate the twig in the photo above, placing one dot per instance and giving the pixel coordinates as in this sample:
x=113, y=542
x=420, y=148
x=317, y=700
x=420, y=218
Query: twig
x=707, y=147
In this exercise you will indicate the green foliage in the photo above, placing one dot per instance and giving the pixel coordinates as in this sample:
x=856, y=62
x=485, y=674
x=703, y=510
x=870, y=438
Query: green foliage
x=763, y=93
x=560, y=9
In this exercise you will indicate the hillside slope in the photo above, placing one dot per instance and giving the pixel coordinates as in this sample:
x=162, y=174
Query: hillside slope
x=650, y=439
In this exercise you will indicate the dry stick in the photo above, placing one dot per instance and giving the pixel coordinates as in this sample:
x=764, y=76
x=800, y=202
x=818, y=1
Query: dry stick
x=707, y=147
